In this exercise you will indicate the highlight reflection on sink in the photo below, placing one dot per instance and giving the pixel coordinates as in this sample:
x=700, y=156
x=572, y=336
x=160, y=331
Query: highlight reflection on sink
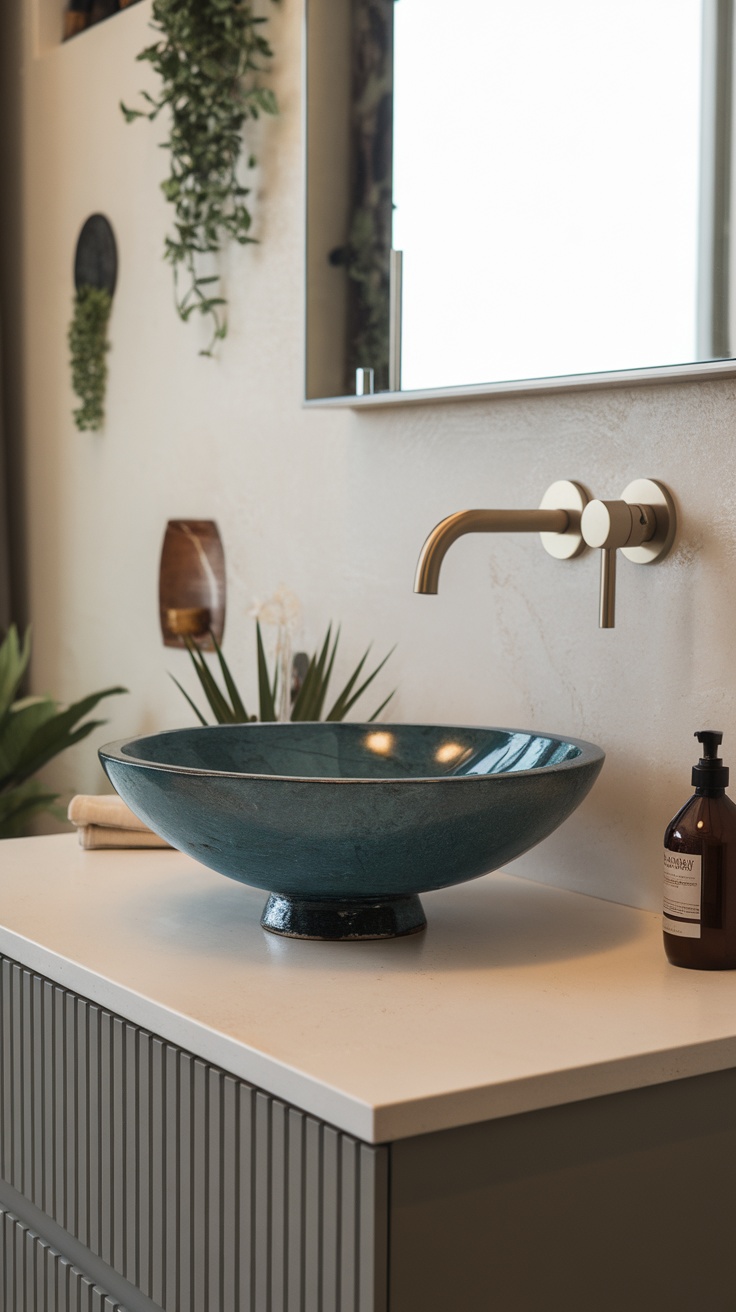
x=345, y=824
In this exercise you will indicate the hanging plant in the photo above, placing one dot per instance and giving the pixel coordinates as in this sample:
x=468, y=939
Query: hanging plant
x=210, y=59
x=95, y=275
x=88, y=345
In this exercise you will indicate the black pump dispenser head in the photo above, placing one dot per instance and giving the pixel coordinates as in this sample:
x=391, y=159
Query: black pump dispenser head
x=710, y=772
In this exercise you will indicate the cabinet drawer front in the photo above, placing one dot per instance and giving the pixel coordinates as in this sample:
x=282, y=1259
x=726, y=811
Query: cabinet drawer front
x=35, y=1278
x=205, y=1193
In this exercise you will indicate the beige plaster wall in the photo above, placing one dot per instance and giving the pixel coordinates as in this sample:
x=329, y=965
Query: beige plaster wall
x=337, y=504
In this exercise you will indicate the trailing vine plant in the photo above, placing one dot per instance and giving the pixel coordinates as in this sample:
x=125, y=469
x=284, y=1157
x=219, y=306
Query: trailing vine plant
x=210, y=57
x=88, y=345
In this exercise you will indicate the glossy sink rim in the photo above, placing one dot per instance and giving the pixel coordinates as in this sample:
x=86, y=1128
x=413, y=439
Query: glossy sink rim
x=588, y=753
x=351, y=865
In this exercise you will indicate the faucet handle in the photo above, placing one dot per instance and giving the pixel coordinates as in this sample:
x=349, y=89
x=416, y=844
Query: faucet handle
x=613, y=525
x=642, y=525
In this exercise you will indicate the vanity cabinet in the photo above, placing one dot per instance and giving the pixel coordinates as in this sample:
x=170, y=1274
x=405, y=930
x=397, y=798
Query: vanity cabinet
x=197, y=1117
x=135, y=1175
x=186, y=1184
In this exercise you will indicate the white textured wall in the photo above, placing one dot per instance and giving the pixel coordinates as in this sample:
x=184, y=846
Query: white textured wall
x=337, y=504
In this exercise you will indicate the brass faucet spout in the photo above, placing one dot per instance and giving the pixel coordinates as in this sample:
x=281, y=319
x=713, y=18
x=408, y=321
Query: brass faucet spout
x=480, y=521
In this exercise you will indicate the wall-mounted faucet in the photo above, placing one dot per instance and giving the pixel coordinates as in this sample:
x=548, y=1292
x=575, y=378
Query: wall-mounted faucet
x=557, y=521
x=642, y=525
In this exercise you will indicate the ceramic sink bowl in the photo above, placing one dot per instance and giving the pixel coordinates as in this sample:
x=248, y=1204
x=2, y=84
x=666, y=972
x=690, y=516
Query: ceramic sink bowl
x=345, y=824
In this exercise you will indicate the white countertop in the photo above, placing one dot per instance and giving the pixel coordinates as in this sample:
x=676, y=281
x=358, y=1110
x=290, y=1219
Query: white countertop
x=518, y=996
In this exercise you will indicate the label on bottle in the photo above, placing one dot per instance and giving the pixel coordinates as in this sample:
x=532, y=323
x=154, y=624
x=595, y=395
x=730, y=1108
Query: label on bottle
x=683, y=882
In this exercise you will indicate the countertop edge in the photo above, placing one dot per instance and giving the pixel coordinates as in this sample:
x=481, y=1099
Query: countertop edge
x=551, y=1089
x=219, y=1049
x=383, y=1123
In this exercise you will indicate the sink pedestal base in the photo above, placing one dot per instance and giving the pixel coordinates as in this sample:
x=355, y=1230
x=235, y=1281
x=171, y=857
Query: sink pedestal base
x=332, y=919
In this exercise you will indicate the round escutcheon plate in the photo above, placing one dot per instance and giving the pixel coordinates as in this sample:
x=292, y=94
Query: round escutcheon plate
x=648, y=492
x=573, y=498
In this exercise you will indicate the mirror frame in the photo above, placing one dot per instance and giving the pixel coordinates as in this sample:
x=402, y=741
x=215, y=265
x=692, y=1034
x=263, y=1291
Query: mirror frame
x=715, y=312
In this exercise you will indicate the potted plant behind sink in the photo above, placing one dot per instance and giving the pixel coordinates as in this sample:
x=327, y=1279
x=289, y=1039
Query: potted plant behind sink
x=292, y=692
x=344, y=824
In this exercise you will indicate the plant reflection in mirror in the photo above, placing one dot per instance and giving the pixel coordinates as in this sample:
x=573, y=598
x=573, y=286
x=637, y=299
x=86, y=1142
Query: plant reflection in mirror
x=279, y=697
x=366, y=254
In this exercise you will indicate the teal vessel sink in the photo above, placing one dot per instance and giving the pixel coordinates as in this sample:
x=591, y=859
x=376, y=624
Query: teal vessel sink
x=346, y=824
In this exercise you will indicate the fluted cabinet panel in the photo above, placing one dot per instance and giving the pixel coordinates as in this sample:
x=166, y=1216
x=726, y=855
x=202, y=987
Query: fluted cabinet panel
x=35, y=1278
x=204, y=1193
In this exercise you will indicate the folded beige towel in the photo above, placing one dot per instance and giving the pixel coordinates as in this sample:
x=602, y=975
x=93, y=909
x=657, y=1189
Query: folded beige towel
x=109, y=810
x=107, y=822
x=92, y=837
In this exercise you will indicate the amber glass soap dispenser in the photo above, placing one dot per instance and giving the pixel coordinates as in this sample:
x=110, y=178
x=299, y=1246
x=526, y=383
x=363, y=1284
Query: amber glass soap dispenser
x=700, y=869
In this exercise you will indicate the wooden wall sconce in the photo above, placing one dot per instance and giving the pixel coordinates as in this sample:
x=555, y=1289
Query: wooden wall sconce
x=191, y=588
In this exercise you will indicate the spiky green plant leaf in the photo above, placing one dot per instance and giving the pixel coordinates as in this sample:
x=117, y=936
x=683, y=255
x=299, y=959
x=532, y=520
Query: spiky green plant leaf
x=14, y=658
x=19, y=804
x=312, y=692
x=57, y=732
x=266, y=691
x=192, y=703
x=310, y=700
x=218, y=703
x=237, y=704
x=348, y=698
x=32, y=731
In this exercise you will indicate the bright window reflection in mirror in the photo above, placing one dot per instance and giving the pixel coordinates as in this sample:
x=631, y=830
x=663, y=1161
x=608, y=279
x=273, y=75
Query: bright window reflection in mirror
x=546, y=186
x=556, y=173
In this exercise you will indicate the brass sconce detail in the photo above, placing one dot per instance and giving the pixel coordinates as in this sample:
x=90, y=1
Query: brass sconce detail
x=192, y=583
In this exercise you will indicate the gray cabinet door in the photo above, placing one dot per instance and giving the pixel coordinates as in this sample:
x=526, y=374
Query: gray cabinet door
x=204, y=1193
x=622, y=1203
x=35, y=1278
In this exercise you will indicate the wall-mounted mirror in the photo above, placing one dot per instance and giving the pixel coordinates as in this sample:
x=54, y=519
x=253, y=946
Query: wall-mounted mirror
x=501, y=192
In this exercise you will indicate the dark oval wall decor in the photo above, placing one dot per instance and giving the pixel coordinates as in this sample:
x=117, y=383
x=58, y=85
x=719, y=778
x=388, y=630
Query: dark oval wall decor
x=96, y=256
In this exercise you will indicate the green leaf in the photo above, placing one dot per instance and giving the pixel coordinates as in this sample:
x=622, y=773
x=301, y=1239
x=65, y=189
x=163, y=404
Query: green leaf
x=19, y=726
x=345, y=701
x=309, y=702
x=210, y=58
x=32, y=731
x=306, y=704
x=338, y=710
x=218, y=705
x=235, y=698
x=57, y=733
x=303, y=694
x=325, y=679
x=195, y=708
x=382, y=707
x=14, y=658
x=88, y=347
x=266, y=701
x=19, y=804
